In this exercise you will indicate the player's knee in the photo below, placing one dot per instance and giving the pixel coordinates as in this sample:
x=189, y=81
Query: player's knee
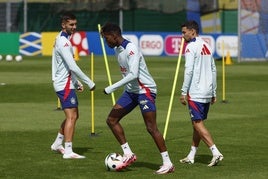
x=75, y=117
x=108, y=122
x=111, y=121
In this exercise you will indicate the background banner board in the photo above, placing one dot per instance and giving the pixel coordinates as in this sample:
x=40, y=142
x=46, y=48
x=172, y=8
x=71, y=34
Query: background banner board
x=9, y=43
x=150, y=43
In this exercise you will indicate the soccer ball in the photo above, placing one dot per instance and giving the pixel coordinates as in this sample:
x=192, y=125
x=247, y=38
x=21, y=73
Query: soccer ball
x=112, y=160
x=18, y=58
x=9, y=58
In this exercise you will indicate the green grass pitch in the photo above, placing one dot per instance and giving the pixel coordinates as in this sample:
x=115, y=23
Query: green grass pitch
x=29, y=122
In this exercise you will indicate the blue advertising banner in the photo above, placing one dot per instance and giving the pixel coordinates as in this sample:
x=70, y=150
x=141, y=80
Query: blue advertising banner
x=166, y=44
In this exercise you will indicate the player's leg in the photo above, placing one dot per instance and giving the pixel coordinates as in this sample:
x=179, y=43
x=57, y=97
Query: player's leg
x=195, y=143
x=196, y=138
x=57, y=144
x=69, y=104
x=148, y=109
x=62, y=127
x=207, y=138
x=113, y=121
x=197, y=111
x=69, y=129
x=203, y=133
x=200, y=111
x=151, y=126
x=123, y=106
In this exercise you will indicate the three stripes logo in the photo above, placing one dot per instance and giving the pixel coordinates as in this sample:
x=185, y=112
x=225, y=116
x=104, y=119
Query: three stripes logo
x=145, y=107
x=205, y=50
x=131, y=53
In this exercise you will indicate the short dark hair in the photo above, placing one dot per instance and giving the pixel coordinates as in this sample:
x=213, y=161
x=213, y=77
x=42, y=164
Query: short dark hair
x=67, y=16
x=111, y=28
x=191, y=24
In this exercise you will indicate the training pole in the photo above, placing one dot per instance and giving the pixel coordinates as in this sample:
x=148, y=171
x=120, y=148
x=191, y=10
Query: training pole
x=223, y=74
x=92, y=96
x=173, y=88
x=106, y=62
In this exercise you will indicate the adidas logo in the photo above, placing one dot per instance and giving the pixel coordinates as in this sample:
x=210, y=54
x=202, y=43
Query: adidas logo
x=131, y=53
x=145, y=107
x=205, y=50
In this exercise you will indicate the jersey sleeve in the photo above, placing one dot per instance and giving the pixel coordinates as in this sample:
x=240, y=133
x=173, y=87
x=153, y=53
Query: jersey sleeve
x=53, y=66
x=188, y=72
x=66, y=54
x=133, y=63
x=214, y=77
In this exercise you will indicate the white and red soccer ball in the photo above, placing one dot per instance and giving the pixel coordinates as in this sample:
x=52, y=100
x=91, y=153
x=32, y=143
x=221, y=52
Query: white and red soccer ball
x=112, y=161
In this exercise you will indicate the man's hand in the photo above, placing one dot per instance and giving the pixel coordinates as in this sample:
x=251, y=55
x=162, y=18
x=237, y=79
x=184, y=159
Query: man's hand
x=80, y=88
x=183, y=99
x=213, y=100
x=93, y=88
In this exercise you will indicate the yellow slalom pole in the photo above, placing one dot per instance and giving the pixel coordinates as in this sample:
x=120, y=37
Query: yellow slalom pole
x=223, y=73
x=106, y=62
x=173, y=88
x=92, y=96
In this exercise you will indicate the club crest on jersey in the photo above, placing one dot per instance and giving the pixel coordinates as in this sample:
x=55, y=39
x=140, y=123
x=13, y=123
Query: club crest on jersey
x=73, y=101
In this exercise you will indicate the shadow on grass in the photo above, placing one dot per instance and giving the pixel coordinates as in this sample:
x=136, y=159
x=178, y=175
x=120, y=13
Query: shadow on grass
x=82, y=150
x=204, y=159
x=149, y=165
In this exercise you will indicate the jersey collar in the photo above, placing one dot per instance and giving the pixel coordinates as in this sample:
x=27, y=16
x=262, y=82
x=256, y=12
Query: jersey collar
x=64, y=34
x=193, y=40
x=124, y=43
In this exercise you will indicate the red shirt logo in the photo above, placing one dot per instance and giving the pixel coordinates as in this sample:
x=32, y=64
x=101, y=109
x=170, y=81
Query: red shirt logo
x=131, y=53
x=205, y=50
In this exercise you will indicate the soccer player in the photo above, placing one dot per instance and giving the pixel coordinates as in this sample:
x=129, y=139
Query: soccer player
x=140, y=90
x=65, y=74
x=198, y=89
